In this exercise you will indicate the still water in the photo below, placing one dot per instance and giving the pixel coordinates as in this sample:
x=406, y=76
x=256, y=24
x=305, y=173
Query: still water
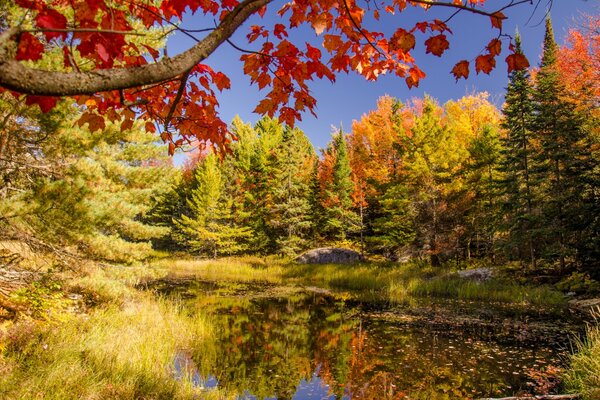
x=293, y=343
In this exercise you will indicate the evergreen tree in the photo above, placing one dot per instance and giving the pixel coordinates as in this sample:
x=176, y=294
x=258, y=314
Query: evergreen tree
x=393, y=225
x=290, y=215
x=210, y=229
x=516, y=164
x=563, y=159
x=482, y=217
x=340, y=220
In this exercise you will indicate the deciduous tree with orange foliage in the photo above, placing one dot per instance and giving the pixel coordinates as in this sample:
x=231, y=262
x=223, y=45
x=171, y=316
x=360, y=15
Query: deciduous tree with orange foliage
x=105, y=69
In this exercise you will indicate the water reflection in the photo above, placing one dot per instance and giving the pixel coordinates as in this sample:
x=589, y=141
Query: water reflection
x=305, y=346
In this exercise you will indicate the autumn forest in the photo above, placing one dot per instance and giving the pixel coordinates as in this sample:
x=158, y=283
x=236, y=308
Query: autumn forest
x=128, y=273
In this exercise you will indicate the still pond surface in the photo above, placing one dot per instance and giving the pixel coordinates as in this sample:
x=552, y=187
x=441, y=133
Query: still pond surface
x=305, y=344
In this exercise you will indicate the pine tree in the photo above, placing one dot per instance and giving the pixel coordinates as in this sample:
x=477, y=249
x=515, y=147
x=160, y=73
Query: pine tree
x=432, y=153
x=516, y=163
x=393, y=225
x=210, y=229
x=563, y=158
x=290, y=214
x=340, y=220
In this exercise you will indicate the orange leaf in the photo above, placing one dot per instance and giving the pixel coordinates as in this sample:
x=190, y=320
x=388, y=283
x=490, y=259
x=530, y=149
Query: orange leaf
x=95, y=122
x=150, y=127
x=401, y=39
x=461, y=70
x=126, y=124
x=436, y=45
x=320, y=24
x=516, y=62
x=222, y=81
x=495, y=47
x=497, y=19
x=485, y=63
x=265, y=106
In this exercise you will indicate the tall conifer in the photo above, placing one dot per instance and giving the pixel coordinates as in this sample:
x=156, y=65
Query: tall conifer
x=563, y=158
x=516, y=163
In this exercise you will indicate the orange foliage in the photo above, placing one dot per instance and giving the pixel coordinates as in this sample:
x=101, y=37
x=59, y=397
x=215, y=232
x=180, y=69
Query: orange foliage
x=579, y=64
x=371, y=149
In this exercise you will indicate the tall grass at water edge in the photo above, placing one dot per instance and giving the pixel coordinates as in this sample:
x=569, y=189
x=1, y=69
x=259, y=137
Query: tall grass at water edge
x=399, y=284
x=233, y=269
x=583, y=375
x=117, y=352
x=395, y=283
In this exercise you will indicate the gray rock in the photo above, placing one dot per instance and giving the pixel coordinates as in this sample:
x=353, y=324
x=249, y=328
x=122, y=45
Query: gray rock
x=477, y=274
x=329, y=255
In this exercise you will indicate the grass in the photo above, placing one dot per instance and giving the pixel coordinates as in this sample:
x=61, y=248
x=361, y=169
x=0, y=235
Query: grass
x=401, y=284
x=583, y=376
x=124, y=348
x=397, y=284
x=232, y=269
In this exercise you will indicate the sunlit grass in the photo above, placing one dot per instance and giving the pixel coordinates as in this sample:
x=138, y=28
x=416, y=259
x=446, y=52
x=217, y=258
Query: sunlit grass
x=117, y=352
x=490, y=291
x=583, y=376
x=402, y=283
x=236, y=269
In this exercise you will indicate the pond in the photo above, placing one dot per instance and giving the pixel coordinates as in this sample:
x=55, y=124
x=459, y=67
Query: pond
x=307, y=343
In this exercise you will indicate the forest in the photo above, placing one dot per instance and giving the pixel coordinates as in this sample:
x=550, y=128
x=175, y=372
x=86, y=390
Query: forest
x=97, y=224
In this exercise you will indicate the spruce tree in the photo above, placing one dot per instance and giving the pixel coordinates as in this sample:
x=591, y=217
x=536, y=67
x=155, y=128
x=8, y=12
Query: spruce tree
x=563, y=158
x=339, y=220
x=290, y=215
x=516, y=164
x=210, y=229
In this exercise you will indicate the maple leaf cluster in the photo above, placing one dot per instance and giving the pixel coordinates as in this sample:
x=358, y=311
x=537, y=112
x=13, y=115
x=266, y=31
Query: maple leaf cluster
x=102, y=35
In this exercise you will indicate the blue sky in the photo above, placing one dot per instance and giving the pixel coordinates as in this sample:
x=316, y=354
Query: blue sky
x=351, y=95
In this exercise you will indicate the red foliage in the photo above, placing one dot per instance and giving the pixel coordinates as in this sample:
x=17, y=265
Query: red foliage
x=97, y=30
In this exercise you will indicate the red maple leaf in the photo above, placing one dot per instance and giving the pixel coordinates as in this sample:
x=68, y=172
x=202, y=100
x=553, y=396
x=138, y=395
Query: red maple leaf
x=29, y=48
x=436, y=45
x=461, y=70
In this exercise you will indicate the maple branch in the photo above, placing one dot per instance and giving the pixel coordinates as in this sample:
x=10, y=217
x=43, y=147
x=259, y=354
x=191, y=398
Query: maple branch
x=360, y=30
x=16, y=76
x=180, y=91
x=127, y=103
x=90, y=30
x=467, y=8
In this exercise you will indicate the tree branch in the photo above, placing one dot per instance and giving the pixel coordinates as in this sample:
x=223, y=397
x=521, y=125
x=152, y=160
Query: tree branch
x=84, y=30
x=17, y=76
x=467, y=8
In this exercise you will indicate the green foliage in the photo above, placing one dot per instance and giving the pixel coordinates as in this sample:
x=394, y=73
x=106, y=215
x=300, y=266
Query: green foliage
x=39, y=297
x=517, y=186
x=563, y=159
x=393, y=227
x=340, y=219
x=580, y=283
x=210, y=228
x=85, y=189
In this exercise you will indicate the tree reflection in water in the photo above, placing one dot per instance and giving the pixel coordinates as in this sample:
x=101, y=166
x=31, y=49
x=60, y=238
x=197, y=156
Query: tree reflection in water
x=305, y=346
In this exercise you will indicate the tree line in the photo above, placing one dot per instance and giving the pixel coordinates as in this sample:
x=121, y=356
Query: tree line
x=457, y=181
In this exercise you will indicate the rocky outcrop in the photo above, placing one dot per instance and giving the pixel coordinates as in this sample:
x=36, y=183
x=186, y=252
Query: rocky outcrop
x=329, y=255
